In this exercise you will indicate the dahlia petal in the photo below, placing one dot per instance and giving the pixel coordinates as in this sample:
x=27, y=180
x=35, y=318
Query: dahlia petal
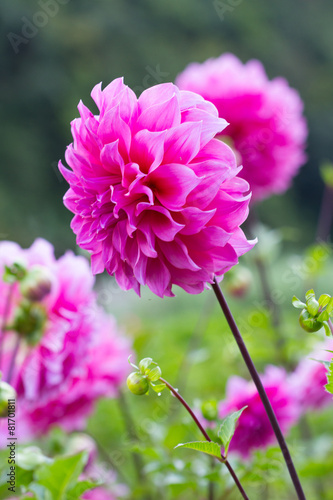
x=193, y=219
x=160, y=116
x=97, y=263
x=147, y=149
x=146, y=242
x=211, y=125
x=172, y=184
x=176, y=253
x=158, y=276
x=182, y=143
x=112, y=159
x=157, y=94
x=211, y=175
x=113, y=127
x=160, y=222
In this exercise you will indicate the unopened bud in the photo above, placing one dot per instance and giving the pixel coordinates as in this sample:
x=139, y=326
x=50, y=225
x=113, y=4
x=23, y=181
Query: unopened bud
x=31, y=457
x=209, y=409
x=30, y=321
x=137, y=383
x=7, y=392
x=308, y=322
x=36, y=284
x=238, y=281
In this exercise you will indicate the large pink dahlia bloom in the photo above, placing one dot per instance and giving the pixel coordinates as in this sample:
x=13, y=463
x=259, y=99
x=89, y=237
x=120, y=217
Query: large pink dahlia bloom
x=156, y=198
x=267, y=127
x=254, y=429
x=81, y=355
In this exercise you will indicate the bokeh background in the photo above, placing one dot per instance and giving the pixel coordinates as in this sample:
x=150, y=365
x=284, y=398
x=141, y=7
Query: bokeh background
x=147, y=41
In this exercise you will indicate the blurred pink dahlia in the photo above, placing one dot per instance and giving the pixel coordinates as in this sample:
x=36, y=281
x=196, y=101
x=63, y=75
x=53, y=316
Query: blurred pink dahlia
x=80, y=357
x=254, y=429
x=266, y=124
x=310, y=377
x=156, y=198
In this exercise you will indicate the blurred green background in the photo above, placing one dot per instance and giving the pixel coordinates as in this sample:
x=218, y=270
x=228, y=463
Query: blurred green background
x=148, y=41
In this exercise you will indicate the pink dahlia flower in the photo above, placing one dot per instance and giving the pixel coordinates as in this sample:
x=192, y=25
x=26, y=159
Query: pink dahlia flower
x=267, y=127
x=81, y=355
x=156, y=198
x=254, y=429
x=310, y=377
x=98, y=494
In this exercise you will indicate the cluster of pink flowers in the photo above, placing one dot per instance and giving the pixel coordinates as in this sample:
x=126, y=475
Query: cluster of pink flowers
x=156, y=198
x=266, y=124
x=254, y=429
x=81, y=356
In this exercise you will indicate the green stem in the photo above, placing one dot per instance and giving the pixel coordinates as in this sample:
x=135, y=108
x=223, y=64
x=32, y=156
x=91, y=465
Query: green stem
x=223, y=459
x=261, y=390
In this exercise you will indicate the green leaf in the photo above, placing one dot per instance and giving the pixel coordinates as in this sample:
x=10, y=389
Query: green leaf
x=309, y=294
x=145, y=363
x=323, y=316
x=327, y=329
x=158, y=387
x=324, y=300
x=154, y=374
x=227, y=428
x=329, y=385
x=61, y=476
x=329, y=307
x=312, y=306
x=210, y=448
x=297, y=303
x=78, y=490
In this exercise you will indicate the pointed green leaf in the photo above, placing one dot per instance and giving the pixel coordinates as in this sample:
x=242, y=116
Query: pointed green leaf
x=154, y=374
x=329, y=307
x=297, y=303
x=158, y=387
x=324, y=300
x=62, y=475
x=210, y=448
x=309, y=294
x=323, y=316
x=145, y=363
x=227, y=428
x=327, y=329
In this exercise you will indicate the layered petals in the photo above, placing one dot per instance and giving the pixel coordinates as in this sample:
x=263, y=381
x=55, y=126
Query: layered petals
x=156, y=199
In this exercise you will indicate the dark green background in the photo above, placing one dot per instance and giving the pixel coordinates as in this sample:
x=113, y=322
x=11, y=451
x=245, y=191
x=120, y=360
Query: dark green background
x=91, y=41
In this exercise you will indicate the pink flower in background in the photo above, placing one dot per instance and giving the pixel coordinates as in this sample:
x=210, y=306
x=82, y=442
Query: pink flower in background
x=98, y=494
x=156, y=198
x=310, y=377
x=267, y=127
x=254, y=429
x=81, y=355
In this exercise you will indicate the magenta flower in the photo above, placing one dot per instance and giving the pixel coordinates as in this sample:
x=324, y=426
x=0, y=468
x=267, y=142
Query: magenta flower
x=267, y=127
x=254, y=429
x=156, y=199
x=81, y=355
x=98, y=494
x=310, y=377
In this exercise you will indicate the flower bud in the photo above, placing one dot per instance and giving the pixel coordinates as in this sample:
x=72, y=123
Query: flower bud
x=29, y=321
x=6, y=392
x=36, y=284
x=308, y=322
x=137, y=383
x=209, y=409
x=239, y=282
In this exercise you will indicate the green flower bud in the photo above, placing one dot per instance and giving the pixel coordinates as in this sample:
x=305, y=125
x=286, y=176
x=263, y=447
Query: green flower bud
x=6, y=392
x=308, y=322
x=137, y=383
x=36, y=284
x=209, y=409
x=29, y=321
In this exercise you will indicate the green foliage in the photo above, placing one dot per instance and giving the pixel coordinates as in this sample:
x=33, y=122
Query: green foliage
x=329, y=385
x=315, y=314
x=228, y=427
x=210, y=448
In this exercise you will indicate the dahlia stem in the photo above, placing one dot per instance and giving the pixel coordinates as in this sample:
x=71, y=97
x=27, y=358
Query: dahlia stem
x=223, y=459
x=5, y=319
x=262, y=393
x=326, y=215
x=13, y=359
